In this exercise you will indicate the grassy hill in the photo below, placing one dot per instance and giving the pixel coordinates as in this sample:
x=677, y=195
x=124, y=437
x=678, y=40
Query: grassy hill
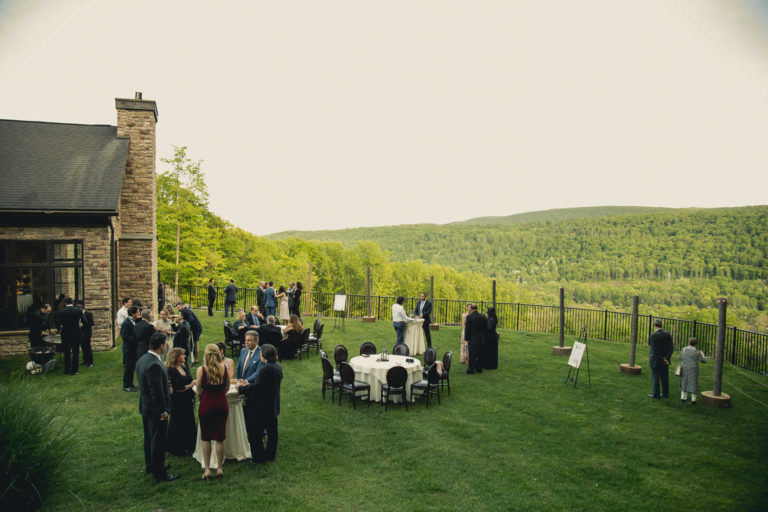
x=559, y=214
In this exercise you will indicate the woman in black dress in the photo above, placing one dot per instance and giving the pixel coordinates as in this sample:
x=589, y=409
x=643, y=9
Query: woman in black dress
x=183, y=338
x=491, y=349
x=182, y=431
x=297, y=300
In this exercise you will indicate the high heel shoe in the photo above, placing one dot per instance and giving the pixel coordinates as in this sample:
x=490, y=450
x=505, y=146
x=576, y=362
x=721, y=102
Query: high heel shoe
x=219, y=473
x=207, y=475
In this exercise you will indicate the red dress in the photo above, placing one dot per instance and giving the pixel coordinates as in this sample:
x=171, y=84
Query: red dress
x=213, y=410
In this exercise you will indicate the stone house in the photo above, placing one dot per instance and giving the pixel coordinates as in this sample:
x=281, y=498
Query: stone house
x=77, y=218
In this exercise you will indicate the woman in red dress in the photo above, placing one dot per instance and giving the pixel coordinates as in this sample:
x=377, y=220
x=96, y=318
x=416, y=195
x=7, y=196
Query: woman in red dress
x=212, y=386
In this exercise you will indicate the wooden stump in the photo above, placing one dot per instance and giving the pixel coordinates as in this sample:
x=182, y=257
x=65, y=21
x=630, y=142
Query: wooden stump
x=630, y=370
x=369, y=319
x=434, y=327
x=561, y=351
x=709, y=399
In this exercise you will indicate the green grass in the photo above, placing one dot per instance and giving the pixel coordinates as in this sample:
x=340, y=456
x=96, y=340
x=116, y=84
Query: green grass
x=512, y=439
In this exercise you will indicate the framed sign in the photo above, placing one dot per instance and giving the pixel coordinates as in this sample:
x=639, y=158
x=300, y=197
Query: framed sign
x=577, y=352
x=339, y=302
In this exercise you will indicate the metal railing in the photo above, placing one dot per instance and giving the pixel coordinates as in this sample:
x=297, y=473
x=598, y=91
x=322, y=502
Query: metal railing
x=746, y=349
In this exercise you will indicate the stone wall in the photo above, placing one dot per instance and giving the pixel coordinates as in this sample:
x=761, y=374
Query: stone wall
x=96, y=281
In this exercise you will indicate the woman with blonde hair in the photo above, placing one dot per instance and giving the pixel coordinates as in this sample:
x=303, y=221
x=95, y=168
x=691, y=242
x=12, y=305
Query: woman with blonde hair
x=212, y=386
x=182, y=431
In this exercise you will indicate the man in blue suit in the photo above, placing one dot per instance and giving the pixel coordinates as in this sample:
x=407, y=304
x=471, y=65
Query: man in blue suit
x=249, y=362
x=270, y=301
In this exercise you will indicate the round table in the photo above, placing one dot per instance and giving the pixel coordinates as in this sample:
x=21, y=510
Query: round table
x=374, y=372
x=236, y=445
x=414, y=336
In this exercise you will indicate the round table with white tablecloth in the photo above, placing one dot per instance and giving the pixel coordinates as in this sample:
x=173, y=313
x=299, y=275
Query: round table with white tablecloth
x=236, y=444
x=374, y=371
x=414, y=336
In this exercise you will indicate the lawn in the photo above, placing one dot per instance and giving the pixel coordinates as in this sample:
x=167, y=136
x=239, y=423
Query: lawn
x=515, y=438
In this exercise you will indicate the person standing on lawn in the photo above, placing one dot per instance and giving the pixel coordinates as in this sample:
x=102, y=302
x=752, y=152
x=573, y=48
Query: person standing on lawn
x=262, y=405
x=690, y=357
x=68, y=321
x=270, y=300
x=658, y=359
x=424, y=310
x=230, y=298
x=129, y=348
x=475, y=329
x=86, y=333
x=212, y=297
x=399, y=318
x=196, y=328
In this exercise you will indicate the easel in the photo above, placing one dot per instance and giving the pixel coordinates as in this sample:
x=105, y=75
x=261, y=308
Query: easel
x=580, y=349
x=339, y=312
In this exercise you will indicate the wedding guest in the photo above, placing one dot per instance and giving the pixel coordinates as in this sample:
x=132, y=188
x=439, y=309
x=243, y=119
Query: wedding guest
x=423, y=310
x=261, y=299
x=297, y=299
x=230, y=364
x=182, y=430
x=263, y=406
x=249, y=362
x=86, y=333
x=129, y=348
x=659, y=354
x=292, y=342
x=143, y=330
x=270, y=301
x=476, y=326
x=254, y=318
x=212, y=297
x=399, y=317
x=270, y=333
x=291, y=292
x=240, y=325
x=690, y=357
x=196, y=329
x=183, y=338
x=164, y=325
x=282, y=296
x=38, y=325
x=230, y=297
x=490, y=353
x=68, y=321
x=212, y=387
x=464, y=354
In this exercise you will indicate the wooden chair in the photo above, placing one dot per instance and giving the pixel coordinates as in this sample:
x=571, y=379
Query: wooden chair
x=401, y=349
x=430, y=386
x=304, y=348
x=316, y=338
x=340, y=355
x=367, y=348
x=330, y=380
x=445, y=376
x=350, y=386
x=429, y=358
x=397, y=376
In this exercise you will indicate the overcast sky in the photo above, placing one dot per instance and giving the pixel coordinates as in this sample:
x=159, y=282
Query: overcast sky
x=330, y=114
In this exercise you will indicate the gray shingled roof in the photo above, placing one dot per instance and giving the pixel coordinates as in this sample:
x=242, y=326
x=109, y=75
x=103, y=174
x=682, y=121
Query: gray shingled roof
x=60, y=167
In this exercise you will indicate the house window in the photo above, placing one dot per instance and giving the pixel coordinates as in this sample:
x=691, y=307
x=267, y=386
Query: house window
x=37, y=272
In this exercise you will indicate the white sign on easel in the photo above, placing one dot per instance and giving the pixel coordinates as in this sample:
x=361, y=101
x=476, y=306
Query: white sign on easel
x=577, y=352
x=339, y=302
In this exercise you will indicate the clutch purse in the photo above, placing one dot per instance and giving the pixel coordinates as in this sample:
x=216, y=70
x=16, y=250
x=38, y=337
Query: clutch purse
x=677, y=370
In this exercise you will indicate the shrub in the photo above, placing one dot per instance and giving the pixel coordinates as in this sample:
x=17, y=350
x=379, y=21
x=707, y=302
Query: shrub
x=32, y=447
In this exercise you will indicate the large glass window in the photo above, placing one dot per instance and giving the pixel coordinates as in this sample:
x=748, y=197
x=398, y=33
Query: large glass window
x=33, y=273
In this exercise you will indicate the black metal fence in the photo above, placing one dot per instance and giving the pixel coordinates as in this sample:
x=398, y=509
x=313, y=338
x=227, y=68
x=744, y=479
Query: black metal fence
x=746, y=349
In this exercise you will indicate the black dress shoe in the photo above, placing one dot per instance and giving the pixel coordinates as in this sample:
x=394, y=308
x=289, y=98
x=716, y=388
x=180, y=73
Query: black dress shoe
x=131, y=389
x=654, y=396
x=470, y=372
x=167, y=478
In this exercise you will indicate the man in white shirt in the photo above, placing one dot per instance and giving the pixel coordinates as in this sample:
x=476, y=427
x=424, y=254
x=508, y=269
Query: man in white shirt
x=398, y=319
x=122, y=313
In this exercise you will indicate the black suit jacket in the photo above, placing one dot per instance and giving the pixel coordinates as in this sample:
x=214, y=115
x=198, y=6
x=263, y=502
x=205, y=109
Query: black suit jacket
x=426, y=312
x=251, y=319
x=87, y=330
x=230, y=293
x=38, y=322
x=475, y=327
x=154, y=397
x=194, y=325
x=211, y=292
x=661, y=348
x=270, y=334
x=263, y=394
x=68, y=322
x=260, y=297
x=129, y=338
x=142, y=331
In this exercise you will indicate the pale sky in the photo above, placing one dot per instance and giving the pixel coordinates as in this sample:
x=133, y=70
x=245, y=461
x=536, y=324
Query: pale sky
x=330, y=114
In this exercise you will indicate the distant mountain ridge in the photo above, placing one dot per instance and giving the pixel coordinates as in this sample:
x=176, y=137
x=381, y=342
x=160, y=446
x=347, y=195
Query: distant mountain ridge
x=558, y=214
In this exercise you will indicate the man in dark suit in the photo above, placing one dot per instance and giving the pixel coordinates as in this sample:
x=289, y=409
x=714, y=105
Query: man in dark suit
x=270, y=300
x=230, y=298
x=262, y=406
x=249, y=361
x=270, y=333
x=38, y=325
x=475, y=327
x=68, y=321
x=260, y=299
x=424, y=310
x=658, y=359
x=154, y=405
x=254, y=318
x=129, y=348
x=212, y=297
x=142, y=331
x=86, y=333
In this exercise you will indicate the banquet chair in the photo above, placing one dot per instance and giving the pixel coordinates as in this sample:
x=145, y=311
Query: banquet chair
x=397, y=376
x=230, y=339
x=316, y=338
x=304, y=348
x=401, y=349
x=367, y=348
x=350, y=386
x=340, y=355
x=428, y=386
x=445, y=376
x=429, y=357
x=330, y=380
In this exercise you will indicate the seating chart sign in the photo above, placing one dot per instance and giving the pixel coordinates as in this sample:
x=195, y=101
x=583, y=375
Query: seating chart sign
x=339, y=302
x=577, y=352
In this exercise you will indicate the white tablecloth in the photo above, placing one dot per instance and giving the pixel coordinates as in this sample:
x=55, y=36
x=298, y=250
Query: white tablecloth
x=414, y=336
x=236, y=445
x=374, y=372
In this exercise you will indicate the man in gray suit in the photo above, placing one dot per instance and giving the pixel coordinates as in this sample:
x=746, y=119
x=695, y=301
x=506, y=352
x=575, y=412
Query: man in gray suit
x=154, y=405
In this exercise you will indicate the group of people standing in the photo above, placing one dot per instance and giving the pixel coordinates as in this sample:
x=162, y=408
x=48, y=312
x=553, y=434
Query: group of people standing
x=659, y=357
x=479, y=340
x=74, y=322
x=281, y=303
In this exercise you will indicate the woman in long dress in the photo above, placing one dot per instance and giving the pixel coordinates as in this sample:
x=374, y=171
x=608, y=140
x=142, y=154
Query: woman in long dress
x=297, y=299
x=464, y=354
x=229, y=363
x=212, y=386
x=690, y=357
x=183, y=338
x=285, y=315
x=490, y=353
x=182, y=430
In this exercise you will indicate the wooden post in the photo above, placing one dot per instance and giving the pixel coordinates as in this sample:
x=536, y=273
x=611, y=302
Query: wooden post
x=561, y=350
x=308, y=305
x=716, y=398
x=631, y=368
x=369, y=318
x=493, y=295
x=433, y=326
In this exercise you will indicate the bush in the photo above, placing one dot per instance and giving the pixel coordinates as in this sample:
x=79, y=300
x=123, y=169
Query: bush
x=32, y=448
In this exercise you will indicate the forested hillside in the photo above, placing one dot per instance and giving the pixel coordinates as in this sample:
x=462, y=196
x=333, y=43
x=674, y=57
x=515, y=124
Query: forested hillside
x=559, y=214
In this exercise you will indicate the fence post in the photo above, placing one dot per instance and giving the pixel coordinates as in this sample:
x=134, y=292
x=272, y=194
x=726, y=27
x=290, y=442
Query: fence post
x=631, y=368
x=733, y=348
x=432, y=298
x=369, y=318
x=309, y=291
x=605, y=326
x=561, y=350
x=493, y=295
x=694, y=328
x=716, y=398
x=517, y=322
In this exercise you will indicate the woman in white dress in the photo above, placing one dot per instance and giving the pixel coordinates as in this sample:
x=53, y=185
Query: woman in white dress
x=282, y=296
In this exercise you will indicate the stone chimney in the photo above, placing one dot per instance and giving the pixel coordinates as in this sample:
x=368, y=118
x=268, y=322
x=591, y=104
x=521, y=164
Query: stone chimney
x=136, y=230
